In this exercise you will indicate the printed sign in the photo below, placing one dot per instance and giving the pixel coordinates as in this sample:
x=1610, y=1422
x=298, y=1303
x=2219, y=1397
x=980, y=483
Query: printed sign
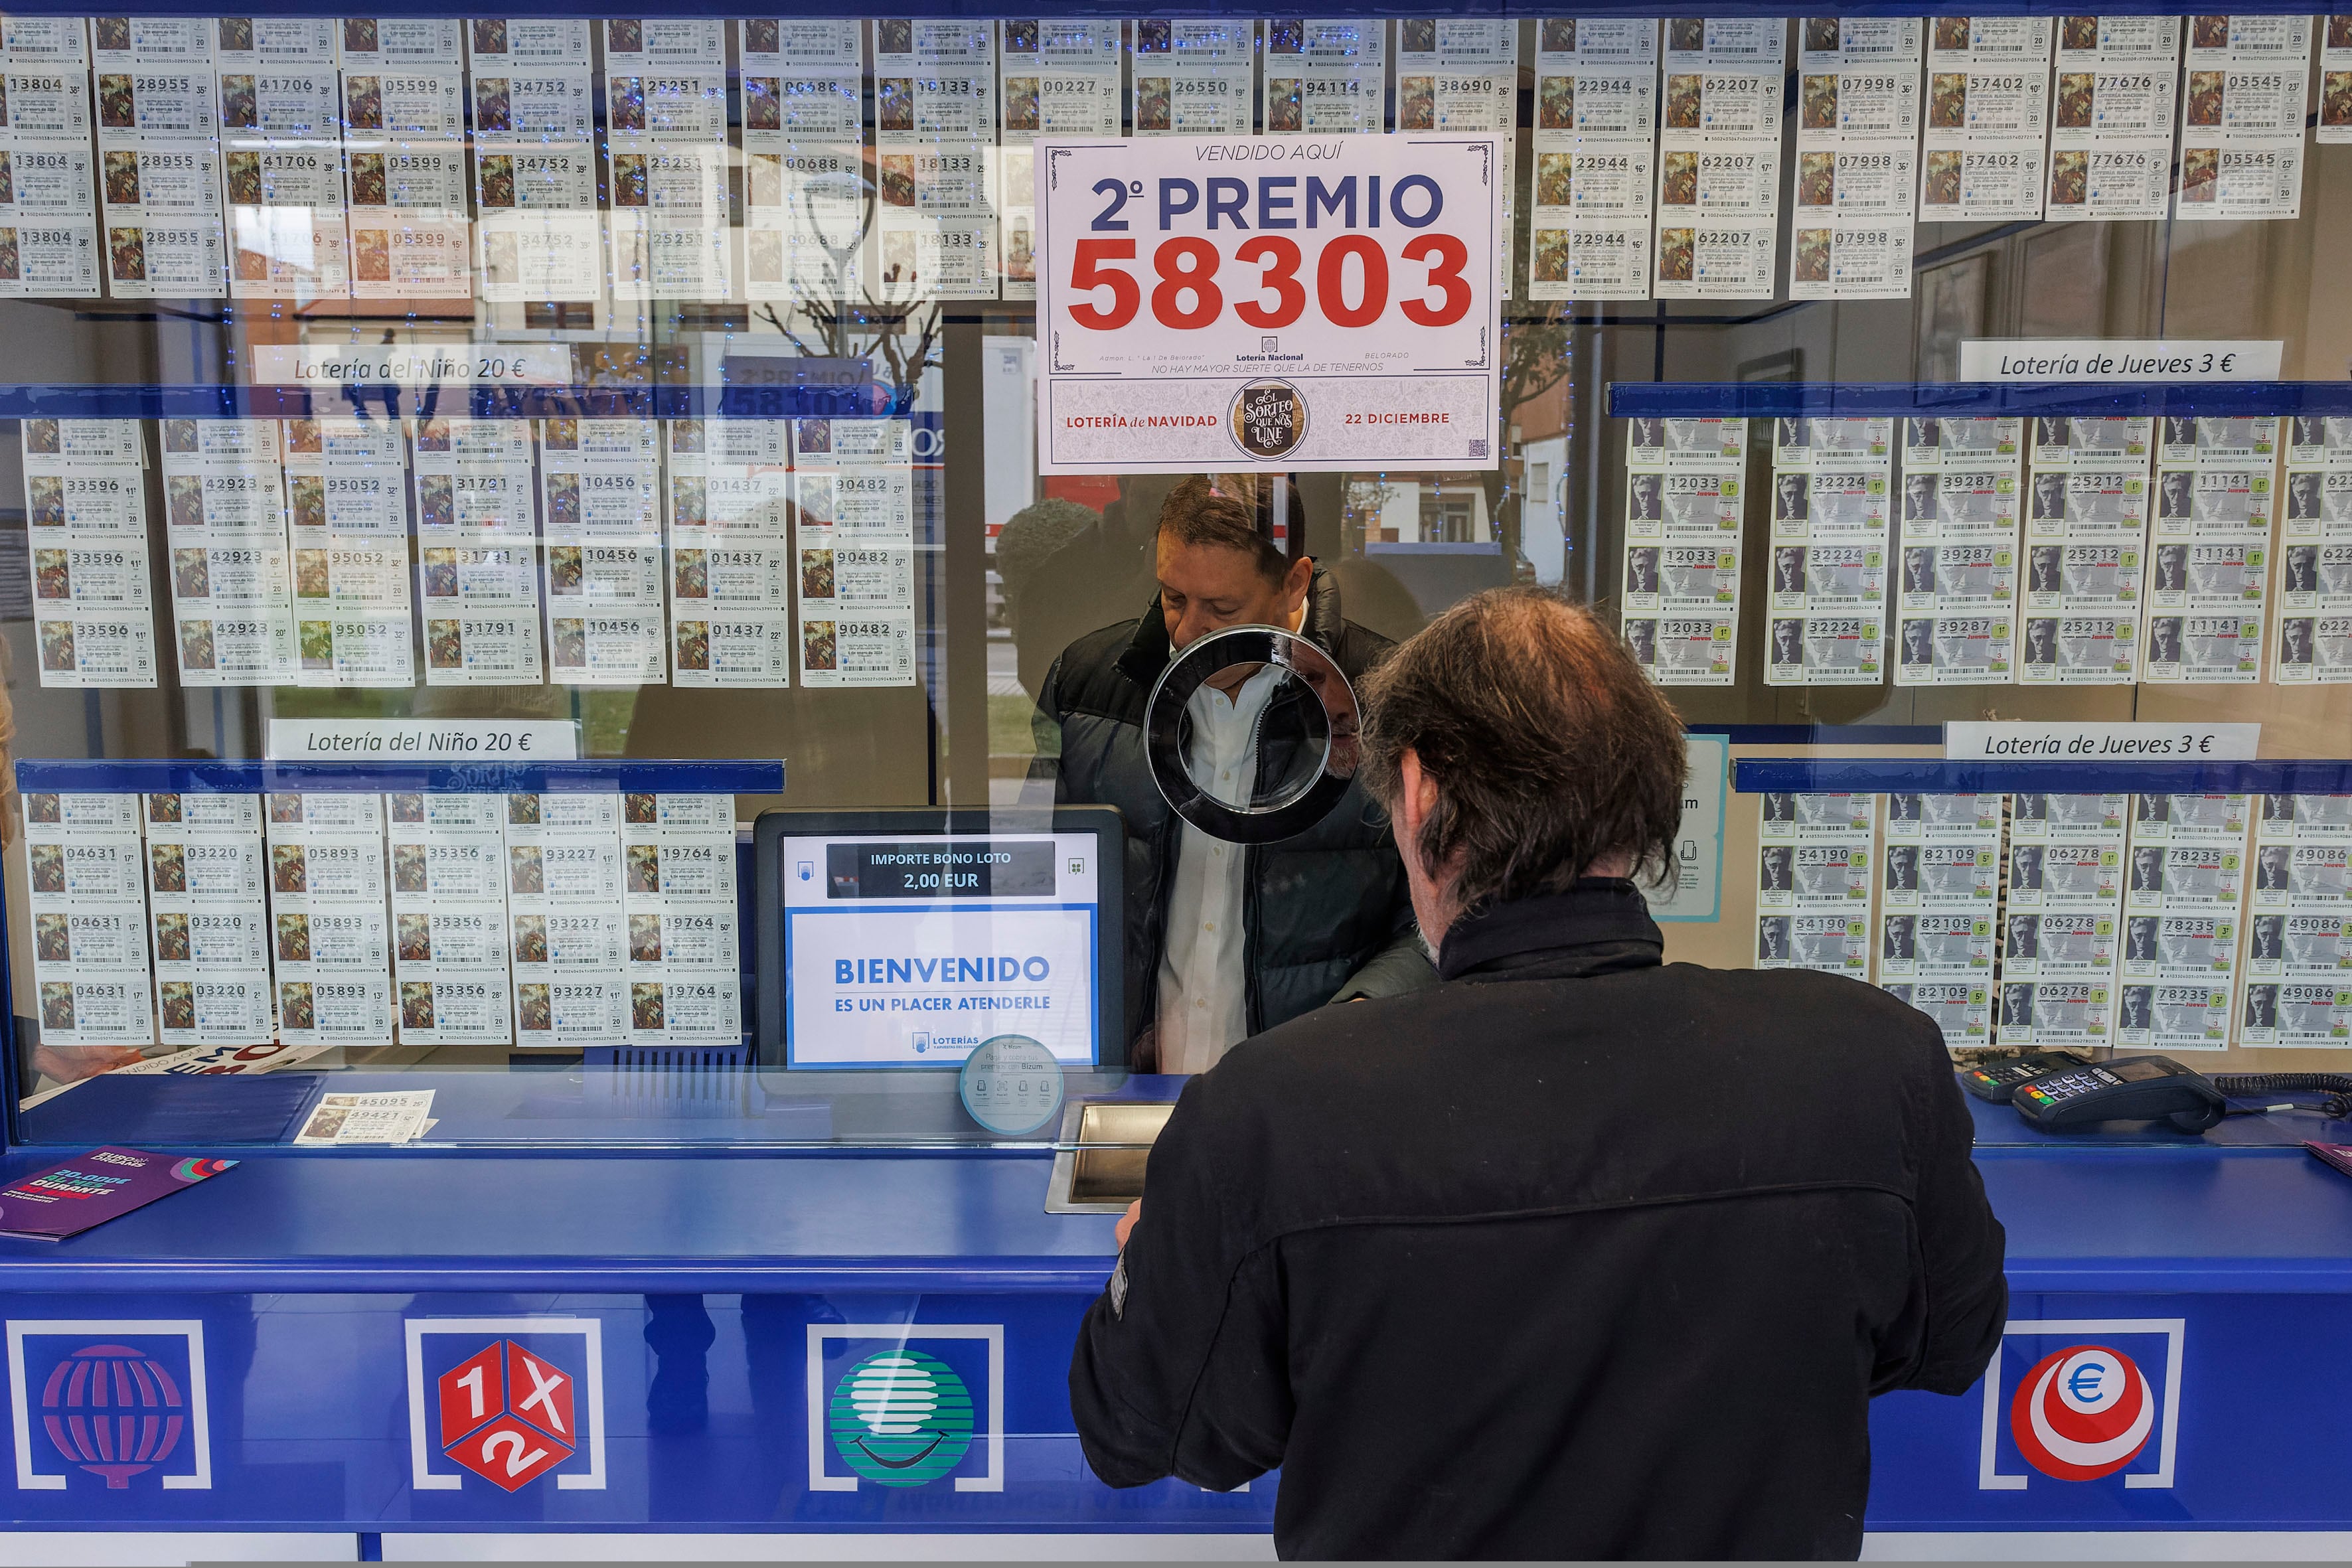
x=1312, y=304
x=913, y=952
x=2160, y=360
x=2080, y=1400
x=461, y=364
x=122, y=1401
x=906, y=1405
x=508, y=1399
x=1692, y=887
x=2052, y=740
x=424, y=740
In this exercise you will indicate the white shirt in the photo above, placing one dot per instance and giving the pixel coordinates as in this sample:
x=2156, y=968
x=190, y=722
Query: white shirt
x=1204, y=998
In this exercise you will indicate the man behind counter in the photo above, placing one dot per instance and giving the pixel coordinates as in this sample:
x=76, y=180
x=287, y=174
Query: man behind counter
x=1572, y=1256
x=1223, y=940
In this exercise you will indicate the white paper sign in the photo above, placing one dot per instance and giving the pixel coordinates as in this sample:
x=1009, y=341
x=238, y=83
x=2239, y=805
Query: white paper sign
x=1318, y=303
x=2119, y=358
x=2054, y=742
x=423, y=740
x=413, y=365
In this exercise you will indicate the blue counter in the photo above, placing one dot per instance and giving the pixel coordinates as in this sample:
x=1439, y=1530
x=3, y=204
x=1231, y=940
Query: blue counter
x=580, y=1341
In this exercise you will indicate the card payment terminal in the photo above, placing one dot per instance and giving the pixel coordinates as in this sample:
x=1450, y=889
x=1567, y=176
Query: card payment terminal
x=2128, y=1089
x=1996, y=1081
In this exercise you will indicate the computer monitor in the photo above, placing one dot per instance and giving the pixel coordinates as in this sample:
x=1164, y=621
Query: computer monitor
x=905, y=939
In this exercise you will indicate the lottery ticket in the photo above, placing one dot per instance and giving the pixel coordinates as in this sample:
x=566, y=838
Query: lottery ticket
x=330, y=929
x=205, y=896
x=1816, y=886
x=86, y=877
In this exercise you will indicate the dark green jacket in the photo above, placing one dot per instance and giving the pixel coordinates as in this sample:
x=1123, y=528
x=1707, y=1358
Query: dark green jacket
x=1326, y=915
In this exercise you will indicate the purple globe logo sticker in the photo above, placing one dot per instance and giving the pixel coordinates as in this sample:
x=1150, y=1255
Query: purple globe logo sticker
x=114, y=1411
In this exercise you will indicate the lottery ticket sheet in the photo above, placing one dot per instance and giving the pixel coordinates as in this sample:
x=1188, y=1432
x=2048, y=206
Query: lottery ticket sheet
x=1984, y=145
x=565, y=924
x=1956, y=596
x=2061, y=919
x=2314, y=576
x=1815, y=886
x=1830, y=500
x=1940, y=898
x=2207, y=580
x=684, y=958
x=449, y=919
x=1595, y=146
x=206, y=899
x=330, y=927
x=805, y=144
x=1684, y=490
x=48, y=203
x=86, y=519
x=2299, y=933
x=537, y=234
x=2086, y=532
x=2242, y=118
x=2184, y=901
x=86, y=872
x=2111, y=120
x=1857, y=157
x=1719, y=158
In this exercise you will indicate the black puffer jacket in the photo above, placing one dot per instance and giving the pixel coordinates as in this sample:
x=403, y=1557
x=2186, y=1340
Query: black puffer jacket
x=1326, y=915
x=1484, y=1284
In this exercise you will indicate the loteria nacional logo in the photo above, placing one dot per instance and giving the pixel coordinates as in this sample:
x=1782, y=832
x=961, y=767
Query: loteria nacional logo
x=906, y=1405
x=2080, y=1400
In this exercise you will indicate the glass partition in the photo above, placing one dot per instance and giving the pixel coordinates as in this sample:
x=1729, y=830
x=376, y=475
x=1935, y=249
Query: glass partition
x=471, y=471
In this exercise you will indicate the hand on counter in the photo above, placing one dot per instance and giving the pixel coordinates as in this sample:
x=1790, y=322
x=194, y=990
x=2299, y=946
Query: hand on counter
x=71, y=1064
x=1127, y=1222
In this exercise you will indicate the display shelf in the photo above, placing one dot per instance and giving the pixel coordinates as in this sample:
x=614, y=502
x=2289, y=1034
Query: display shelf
x=1968, y=399
x=961, y=8
x=1824, y=734
x=1976, y=775
x=595, y=776
x=824, y=398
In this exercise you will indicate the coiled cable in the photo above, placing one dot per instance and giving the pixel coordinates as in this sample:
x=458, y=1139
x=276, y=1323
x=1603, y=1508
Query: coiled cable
x=2335, y=1086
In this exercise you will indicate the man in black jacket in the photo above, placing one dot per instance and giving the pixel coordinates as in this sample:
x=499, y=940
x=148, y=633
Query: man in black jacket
x=1573, y=1254
x=1322, y=916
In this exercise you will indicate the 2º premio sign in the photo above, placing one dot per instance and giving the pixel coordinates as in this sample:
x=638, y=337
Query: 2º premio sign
x=1292, y=302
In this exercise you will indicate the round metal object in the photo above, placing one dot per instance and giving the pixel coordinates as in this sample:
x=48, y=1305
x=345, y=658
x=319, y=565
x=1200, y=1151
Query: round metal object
x=1308, y=734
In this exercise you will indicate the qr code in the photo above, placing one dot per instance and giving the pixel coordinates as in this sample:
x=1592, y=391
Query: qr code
x=1478, y=448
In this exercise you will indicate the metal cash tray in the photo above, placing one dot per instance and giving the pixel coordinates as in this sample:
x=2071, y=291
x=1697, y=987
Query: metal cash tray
x=1098, y=1164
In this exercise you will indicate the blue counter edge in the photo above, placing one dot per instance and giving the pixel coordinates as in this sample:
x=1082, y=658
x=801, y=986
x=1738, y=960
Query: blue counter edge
x=603, y=1276
x=224, y=400
x=1965, y=399
x=1107, y=8
x=90, y=1264
x=1998, y=775
x=584, y=775
x=623, y=1277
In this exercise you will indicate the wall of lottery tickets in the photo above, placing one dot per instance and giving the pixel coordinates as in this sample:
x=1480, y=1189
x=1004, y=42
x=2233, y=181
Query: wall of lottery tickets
x=2060, y=551
x=2170, y=922
x=581, y=552
x=685, y=159
x=319, y=920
